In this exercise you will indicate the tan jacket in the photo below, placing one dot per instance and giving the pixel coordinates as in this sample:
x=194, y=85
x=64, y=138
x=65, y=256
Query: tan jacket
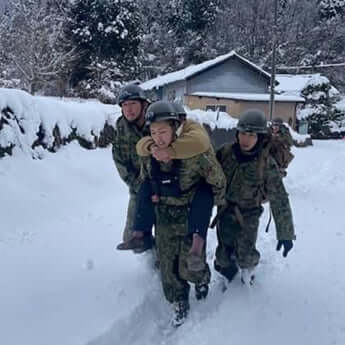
x=192, y=140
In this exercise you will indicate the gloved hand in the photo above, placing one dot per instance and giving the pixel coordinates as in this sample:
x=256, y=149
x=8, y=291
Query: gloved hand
x=287, y=244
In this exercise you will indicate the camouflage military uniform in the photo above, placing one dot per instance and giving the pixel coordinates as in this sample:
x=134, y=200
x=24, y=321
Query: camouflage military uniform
x=249, y=183
x=171, y=222
x=281, y=143
x=127, y=162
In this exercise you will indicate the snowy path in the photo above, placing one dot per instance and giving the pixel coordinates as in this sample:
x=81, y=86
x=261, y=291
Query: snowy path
x=62, y=283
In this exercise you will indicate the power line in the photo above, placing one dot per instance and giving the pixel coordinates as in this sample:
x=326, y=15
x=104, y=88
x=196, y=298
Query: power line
x=341, y=64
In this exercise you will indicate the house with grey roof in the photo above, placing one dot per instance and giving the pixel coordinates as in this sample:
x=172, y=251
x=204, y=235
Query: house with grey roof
x=229, y=83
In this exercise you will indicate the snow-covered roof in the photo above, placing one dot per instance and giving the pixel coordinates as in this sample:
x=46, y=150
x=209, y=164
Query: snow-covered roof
x=260, y=97
x=291, y=84
x=190, y=71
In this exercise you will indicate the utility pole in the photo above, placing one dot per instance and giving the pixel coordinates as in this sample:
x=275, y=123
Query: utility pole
x=273, y=68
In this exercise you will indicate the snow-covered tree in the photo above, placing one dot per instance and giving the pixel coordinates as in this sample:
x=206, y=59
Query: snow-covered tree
x=320, y=110
x=106, y=35
x=107, y=42
x=191, y=21
x=158, y=51
x=33, y=44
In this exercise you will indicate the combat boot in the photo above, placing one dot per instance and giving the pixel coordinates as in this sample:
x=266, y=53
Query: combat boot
x=181, y=309
x=201, y=291
x=227, y=272
x=137, y=244
x=148, y=242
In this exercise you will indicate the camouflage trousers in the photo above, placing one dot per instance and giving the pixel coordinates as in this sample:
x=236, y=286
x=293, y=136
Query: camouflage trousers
x=131, y=209
x=236, y=242
x=173, y=247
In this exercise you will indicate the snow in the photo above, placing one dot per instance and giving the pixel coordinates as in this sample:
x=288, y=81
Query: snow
x=214, y=119
x=250, y=96
x=291, y=84
x=87, y=118
x=62, y=282
x=189, y=71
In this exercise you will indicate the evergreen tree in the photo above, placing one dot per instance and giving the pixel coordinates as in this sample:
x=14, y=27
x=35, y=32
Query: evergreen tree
x=103, y=43
x=320, y=110
x=106, y=35
x=191, y=21
x=158, y=53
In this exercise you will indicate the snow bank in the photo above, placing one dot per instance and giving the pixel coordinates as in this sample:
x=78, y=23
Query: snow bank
x=29, y=122
x=213, y=119
x=299, y=139
x=32, y=124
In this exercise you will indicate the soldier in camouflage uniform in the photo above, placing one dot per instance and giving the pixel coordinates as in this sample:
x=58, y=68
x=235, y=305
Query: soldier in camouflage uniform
x=182, y=257
x=281, y=142
x=130, y=128
x=252, y=177
x=191, y=139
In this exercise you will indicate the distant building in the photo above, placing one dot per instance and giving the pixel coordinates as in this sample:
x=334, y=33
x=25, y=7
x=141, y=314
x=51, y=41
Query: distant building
x=229, y=83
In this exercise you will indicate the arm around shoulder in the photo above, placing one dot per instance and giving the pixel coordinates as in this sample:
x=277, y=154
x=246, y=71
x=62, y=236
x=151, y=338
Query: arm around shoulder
x=143, y=146
x=193, y=141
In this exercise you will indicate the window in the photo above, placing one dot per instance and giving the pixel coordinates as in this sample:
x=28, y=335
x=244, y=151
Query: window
x=217, y=107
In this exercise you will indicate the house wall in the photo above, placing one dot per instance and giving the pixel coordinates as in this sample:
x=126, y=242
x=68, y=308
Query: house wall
x=285, y=110
x=173, y=91
x=198, y=102
x=231, y=76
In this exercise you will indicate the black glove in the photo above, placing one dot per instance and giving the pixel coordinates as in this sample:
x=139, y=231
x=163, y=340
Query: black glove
x=287, y=244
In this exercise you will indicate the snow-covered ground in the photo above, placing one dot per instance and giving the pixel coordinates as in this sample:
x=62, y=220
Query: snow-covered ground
x=62, y=282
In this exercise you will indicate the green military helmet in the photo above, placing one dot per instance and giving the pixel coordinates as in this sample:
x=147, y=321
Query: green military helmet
x=252, y=120
x=131, y=92
x=277, y=121
x=179, y=110
x=161, y=111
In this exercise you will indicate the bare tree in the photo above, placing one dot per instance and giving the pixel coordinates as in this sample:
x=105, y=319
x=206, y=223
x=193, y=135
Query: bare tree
x=32, y=41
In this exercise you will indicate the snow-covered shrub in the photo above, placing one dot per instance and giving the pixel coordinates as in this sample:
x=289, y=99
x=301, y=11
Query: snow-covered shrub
x=29, y=122
x=323, y=117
